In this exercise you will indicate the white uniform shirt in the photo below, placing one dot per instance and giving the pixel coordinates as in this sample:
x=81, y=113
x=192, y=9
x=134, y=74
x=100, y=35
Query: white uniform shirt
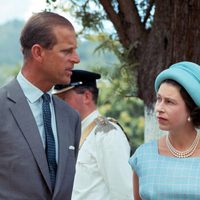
x=102, y=169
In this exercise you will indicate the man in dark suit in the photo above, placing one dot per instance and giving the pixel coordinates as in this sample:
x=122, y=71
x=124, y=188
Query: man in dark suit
x=38, y=141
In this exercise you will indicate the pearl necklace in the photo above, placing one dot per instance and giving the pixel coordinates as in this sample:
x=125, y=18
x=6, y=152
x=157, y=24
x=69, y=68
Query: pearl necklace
x=186, y=153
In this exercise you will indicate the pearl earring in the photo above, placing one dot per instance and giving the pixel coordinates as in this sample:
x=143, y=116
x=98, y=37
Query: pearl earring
x=189, y=119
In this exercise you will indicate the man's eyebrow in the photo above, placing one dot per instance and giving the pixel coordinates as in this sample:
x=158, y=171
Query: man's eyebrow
x=67, y=49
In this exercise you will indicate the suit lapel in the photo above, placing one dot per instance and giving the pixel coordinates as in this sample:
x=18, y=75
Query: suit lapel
x=63, y=140
x=26, y=122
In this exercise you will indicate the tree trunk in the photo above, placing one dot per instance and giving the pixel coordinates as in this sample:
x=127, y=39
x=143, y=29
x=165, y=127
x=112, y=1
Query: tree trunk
x=152, y=130
x=173, y=37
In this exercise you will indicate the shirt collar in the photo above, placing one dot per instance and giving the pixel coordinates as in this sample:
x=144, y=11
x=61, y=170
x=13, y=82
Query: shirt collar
x=31, y=92
x=85, y=122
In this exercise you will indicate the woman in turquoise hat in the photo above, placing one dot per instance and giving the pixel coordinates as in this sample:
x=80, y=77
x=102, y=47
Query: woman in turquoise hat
x=169, y=168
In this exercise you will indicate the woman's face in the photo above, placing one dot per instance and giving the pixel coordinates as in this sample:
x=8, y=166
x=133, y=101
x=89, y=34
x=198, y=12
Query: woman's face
x=171, y=110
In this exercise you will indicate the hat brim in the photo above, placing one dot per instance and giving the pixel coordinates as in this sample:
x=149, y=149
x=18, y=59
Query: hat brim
x=62, y=90
x=185, y=79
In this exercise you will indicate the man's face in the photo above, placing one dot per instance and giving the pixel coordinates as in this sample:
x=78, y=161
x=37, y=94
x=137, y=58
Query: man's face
x=74, y=99
x=60, y=60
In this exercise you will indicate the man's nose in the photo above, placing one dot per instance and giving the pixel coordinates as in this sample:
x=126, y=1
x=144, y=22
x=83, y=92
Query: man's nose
x=76, y=58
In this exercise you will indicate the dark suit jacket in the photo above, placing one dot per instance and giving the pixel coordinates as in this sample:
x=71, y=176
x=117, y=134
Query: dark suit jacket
x=24, y=173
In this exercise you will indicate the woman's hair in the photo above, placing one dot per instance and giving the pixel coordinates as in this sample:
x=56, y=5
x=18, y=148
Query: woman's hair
x=193, y=109
x=39, y=30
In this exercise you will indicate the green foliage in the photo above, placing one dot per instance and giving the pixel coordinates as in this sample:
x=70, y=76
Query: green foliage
x=124, y=67
x=91, y=58
x=9, y=42
x=118, y=88
x=127, y=110
x=89, y=15
x=7, y=72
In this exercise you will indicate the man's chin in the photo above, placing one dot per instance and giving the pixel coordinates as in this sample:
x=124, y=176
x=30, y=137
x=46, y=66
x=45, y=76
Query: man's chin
x=66, y=80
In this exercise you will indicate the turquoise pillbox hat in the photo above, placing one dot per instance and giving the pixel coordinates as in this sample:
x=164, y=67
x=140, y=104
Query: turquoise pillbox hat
x=187, y=74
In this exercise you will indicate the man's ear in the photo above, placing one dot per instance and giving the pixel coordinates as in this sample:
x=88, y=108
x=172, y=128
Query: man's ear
x=37, y=52
x=87, y=96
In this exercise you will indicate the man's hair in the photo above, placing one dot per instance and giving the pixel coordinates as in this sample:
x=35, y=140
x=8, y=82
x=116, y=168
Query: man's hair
x=39, y=30
x=93, y=90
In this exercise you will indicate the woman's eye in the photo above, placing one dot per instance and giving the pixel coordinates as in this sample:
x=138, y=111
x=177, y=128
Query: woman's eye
x=170, y=102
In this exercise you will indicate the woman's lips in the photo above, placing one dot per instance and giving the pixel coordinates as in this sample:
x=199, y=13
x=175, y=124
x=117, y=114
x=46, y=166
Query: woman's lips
x=161, y=119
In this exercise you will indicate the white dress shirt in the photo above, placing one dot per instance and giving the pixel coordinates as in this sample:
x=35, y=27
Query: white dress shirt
x=102, y=169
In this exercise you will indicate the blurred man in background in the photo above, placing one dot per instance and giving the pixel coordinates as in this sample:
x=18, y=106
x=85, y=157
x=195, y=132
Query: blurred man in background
x=102, y=169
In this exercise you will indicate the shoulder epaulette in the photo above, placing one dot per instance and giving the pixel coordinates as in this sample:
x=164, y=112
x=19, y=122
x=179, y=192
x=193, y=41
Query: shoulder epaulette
x=116, y=122
x=103, y=125
x=112, y=120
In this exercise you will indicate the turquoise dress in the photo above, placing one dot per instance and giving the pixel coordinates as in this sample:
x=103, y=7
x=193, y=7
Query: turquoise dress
x=163, y=177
